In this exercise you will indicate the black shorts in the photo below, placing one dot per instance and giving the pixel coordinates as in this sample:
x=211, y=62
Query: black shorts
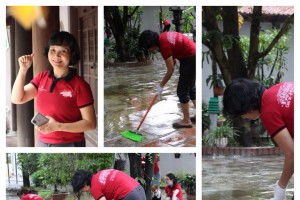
x=186, y=88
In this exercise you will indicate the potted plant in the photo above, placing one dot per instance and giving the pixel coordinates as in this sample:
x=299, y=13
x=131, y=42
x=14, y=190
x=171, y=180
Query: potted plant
x=205, y=117
x=216, y=81
x=221, y=135
x=188, y=182
x=110, y=56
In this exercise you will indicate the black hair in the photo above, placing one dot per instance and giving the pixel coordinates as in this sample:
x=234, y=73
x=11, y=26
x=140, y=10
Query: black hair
x=242, y=96
x=25, y=191
x=64, y=38
x=80, y=179
x=148, y=39
x=172, y=177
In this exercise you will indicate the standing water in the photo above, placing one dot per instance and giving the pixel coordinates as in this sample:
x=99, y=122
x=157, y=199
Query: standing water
x=242, y=178
x=128, y=91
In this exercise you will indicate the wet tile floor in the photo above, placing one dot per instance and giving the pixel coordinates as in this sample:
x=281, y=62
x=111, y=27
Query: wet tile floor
x=242, y=178
x=128, y=91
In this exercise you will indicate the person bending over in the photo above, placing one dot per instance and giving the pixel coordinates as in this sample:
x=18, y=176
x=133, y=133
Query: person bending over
x=275, y=107
x=174, y=45
x=107, y=184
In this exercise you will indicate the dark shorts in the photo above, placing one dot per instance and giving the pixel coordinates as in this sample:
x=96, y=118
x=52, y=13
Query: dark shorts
x=186, y=88
x=167, y=28
x=137, y=194
x=74, y=144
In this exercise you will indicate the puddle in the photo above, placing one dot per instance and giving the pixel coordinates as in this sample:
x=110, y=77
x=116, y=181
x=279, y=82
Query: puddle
x=242, y=178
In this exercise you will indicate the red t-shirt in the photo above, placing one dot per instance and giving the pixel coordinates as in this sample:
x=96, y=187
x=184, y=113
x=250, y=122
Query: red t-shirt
x=156, y=166
x=31, y=197
x=113, y=184
x=62, y=102
x=277, y=108
x=166, y=22
x=177, y=45
x=169, y=191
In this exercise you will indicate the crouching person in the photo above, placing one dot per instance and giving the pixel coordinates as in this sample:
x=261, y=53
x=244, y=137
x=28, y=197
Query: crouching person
x=25, y=194
x=107, y=184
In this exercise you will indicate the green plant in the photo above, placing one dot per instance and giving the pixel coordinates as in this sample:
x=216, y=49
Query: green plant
x=188, y=182
x=56, y=168
x=46, y=194
x=224, y=131
x=215, y=80
x=205, y=117
x=38, y=178
x=110, y=56
x=133, y=48
x=270, y=68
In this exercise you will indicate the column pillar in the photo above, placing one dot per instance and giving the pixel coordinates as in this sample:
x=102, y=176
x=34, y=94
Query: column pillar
x=25, y=130
x=40, y=38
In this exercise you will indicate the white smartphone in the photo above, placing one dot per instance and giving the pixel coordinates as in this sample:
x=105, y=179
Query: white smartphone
x=39, y=119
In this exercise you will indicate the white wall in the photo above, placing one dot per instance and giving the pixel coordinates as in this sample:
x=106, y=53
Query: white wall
x=168, y=163
x=150, y=17
x=245, y=30
x=186, y=163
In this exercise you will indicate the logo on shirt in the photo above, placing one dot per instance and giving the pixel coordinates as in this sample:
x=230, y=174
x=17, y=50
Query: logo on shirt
x=285, y=93
x=171, y=37
x=112, y=177
x=32, y=196
x=103, y=175
x=42, y=88
x=66, y=93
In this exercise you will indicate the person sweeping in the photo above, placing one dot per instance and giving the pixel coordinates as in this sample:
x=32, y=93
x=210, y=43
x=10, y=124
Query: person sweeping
x=174, y=45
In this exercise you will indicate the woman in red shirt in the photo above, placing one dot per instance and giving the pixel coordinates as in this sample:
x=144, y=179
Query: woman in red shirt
x=248, y=99
x=167, y=25
x=173, y=189
x=25, y=194
x=61, y=94
x=174, y=45
x=108, y=184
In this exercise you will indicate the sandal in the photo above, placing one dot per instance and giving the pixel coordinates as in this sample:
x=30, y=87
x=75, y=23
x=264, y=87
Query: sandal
x=177, y=125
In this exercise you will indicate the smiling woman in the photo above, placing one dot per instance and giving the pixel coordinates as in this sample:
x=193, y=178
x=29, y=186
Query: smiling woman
x=62, y=96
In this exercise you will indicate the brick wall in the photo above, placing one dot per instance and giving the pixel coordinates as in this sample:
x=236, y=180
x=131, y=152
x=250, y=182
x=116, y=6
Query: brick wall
x=242, y=151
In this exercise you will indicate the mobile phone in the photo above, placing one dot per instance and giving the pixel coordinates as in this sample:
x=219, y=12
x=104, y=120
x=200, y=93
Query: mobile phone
x=39, y=119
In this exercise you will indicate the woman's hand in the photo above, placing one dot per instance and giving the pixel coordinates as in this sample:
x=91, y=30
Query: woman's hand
x=50, y=126
x=25, y=62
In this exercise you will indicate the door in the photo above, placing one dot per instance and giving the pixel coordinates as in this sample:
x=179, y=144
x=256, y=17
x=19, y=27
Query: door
x=88, y=34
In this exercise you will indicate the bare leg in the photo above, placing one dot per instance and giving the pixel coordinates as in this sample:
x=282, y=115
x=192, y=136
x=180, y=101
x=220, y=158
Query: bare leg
x=186, y=114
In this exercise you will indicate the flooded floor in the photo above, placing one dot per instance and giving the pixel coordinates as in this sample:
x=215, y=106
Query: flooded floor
x=247, y=178
x=128, y=92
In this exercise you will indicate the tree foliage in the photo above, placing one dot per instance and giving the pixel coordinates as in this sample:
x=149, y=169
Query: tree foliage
x=120, y=20
x=56, y=169
x=28, y=165
x=224, y=44
x=28, y=162
x=189, y=16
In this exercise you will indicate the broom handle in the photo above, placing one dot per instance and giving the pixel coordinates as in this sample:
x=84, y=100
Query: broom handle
x=144, y=117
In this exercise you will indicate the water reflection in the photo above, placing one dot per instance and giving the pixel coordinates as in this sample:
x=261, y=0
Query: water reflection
x=241, y=178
